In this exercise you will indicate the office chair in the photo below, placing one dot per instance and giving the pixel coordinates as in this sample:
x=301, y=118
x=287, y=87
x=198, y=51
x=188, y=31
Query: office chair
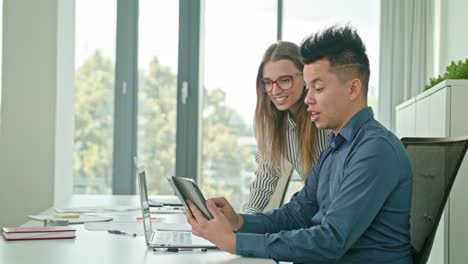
x=435, y=163
x=277, y=199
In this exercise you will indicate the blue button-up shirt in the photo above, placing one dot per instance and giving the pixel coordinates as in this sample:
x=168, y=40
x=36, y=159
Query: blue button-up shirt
x=354, y=208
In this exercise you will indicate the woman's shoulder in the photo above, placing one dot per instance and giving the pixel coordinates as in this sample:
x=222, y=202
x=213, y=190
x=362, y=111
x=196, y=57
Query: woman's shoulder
x=322, y=138
x=323, y=133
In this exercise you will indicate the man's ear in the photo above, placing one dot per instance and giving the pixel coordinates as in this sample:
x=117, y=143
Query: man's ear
x=355, y=89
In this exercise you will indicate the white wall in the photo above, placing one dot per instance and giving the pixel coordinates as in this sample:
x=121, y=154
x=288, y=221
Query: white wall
x=36, y=139
x=453, y=32
x=1, y=44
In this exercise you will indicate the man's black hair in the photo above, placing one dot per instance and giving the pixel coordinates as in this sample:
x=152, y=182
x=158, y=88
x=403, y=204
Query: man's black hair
x=342, y=46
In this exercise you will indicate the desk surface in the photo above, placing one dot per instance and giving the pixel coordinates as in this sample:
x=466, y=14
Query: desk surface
x=100, y=247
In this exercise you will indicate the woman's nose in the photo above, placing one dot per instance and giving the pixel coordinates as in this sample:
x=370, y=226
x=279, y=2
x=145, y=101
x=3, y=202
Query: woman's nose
x=275, y=89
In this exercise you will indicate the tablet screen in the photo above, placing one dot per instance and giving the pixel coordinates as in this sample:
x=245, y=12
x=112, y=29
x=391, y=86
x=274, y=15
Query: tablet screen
x=187, y=189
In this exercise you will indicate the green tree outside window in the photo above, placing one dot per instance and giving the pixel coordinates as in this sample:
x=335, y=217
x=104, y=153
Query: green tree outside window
x=224, y=157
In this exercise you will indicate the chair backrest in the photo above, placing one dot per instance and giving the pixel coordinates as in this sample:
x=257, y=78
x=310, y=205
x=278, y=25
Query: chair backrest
x=277, y=198
x=435, y=163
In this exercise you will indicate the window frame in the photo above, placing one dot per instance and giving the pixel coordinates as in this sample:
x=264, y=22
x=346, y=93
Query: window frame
x=189, y=92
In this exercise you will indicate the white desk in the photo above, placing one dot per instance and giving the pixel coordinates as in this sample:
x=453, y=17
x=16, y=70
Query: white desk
x=100, y=247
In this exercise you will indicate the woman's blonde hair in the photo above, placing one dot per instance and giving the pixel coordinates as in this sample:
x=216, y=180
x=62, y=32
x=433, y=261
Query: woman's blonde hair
x=270, y=123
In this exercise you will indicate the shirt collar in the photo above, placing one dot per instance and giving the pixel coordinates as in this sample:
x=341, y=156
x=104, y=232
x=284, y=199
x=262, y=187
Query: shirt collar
x=335, y=141
x=292, y=124
x=351, y=128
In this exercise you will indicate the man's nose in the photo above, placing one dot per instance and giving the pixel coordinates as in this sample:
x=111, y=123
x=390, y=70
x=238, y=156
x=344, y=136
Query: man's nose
x=310, y=97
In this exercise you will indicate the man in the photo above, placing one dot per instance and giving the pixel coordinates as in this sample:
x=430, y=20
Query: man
x=355, y=206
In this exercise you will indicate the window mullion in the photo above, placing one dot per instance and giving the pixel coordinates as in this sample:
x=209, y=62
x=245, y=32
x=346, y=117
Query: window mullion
x=188, y=92
x=126, y=76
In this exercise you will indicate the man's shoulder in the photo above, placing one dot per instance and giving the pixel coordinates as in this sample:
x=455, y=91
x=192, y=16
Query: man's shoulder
x=379, y=149
x=375, y=135
x=374, y=130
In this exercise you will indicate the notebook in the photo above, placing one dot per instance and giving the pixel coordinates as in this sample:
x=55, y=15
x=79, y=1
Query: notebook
x=38, y=233
x=164, y=239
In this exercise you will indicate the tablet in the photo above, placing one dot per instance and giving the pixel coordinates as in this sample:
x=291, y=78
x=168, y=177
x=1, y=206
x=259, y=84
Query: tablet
x=187, y=189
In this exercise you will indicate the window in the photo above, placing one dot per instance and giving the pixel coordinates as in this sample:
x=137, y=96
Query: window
x=94, y=96
x=237, y=34
x=304, y=17
x=157, y=91
x=234, y=36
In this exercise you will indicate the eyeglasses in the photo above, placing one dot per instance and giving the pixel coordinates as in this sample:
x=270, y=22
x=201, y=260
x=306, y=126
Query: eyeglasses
x=284, y=82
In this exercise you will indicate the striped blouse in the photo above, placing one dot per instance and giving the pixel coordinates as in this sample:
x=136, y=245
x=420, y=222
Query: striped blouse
x=267, y=176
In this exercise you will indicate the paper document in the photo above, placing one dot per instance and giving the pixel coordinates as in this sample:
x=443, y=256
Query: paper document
x=129, y=227
x=83, y=218
x=97, y=209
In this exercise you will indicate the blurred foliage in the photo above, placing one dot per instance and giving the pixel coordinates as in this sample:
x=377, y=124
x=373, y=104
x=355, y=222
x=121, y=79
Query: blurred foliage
x=453, y=72
x=224, y=158
x=157, y=120
x=94, y=110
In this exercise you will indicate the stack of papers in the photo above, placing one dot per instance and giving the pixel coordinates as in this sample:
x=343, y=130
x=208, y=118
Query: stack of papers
x=38, y=233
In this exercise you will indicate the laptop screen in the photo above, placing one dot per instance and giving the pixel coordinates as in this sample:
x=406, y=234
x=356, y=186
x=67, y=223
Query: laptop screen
x=145, y=208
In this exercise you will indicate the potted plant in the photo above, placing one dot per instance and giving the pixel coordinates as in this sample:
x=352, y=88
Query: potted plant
x=454, y=71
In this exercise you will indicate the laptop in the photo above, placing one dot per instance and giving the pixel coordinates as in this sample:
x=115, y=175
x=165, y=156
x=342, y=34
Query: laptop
x=160, y=200
x=164, y=200
x=164, y=238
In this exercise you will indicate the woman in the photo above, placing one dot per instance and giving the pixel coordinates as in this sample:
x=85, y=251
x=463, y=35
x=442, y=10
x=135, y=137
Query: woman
x=283, y=129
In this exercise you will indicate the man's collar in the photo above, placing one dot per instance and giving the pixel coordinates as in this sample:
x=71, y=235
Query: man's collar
x=351, y=128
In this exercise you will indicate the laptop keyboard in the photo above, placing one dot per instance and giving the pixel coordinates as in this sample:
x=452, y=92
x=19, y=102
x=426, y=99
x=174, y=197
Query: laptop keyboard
x=172, y=237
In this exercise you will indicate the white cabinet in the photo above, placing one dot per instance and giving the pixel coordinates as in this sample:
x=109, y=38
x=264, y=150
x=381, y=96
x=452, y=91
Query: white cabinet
x=442, y=111
x=406, y=119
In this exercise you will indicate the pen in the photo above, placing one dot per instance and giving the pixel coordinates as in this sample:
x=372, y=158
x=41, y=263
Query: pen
x=175, y=249
x=118, y=232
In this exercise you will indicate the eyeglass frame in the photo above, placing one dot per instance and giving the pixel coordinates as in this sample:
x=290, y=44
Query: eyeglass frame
x=273, y=82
